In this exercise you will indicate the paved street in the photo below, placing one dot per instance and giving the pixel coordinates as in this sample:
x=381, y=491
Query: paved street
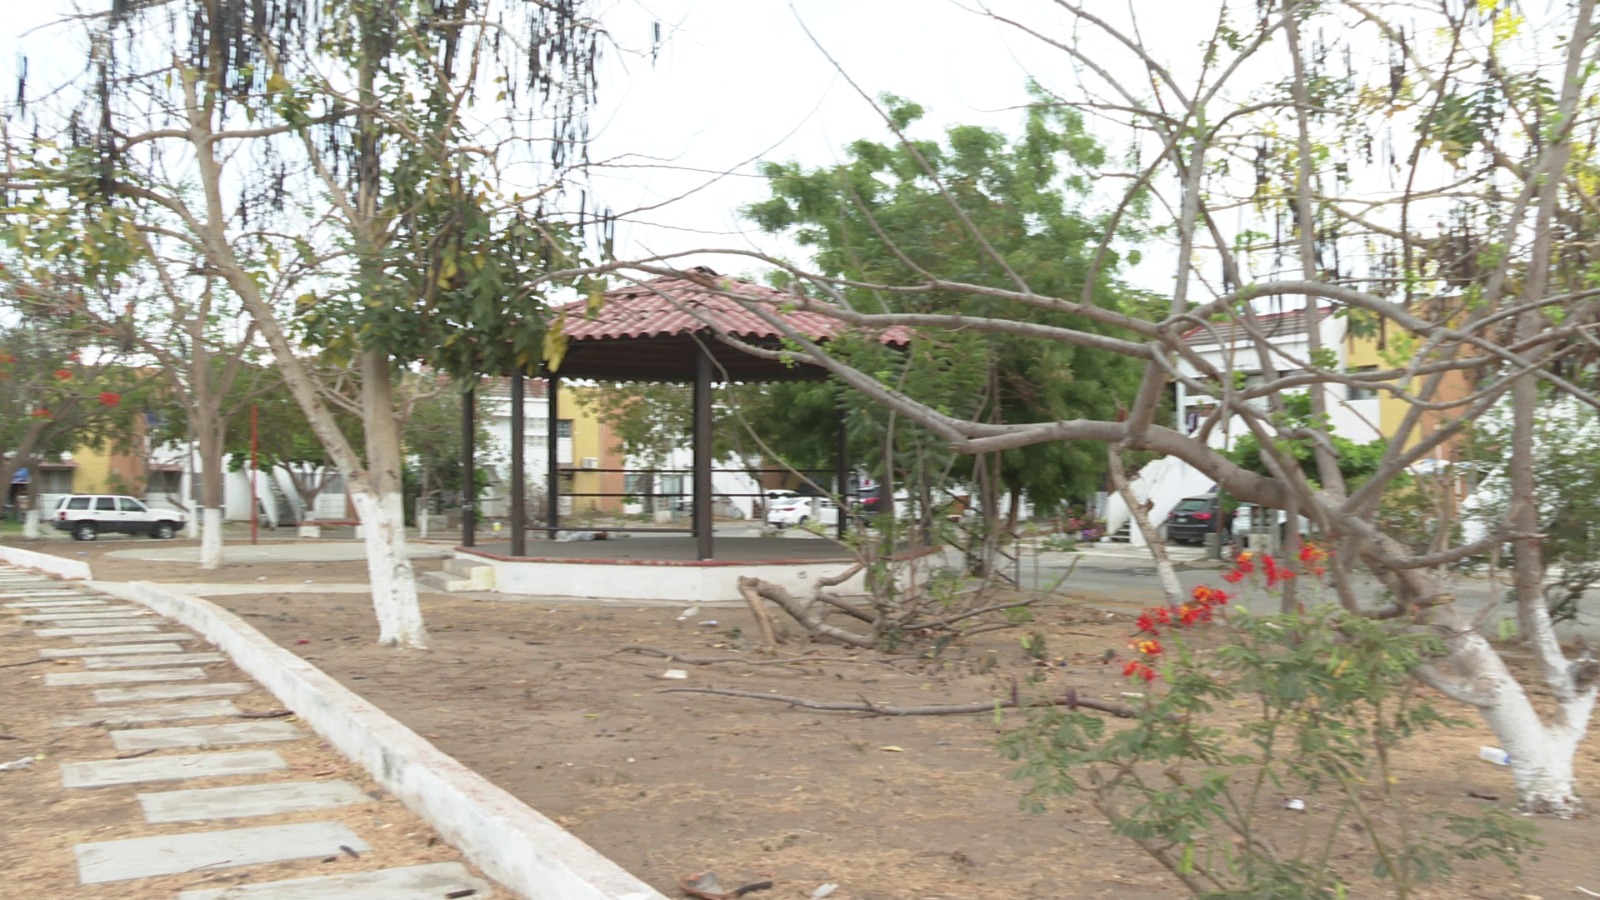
x=1118, y=573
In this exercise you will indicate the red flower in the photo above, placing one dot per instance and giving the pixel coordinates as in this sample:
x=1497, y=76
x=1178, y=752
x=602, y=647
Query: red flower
x=1274, y=573
x=63, y=375
x=1140, y=670
x=1314, y=557
x=108, y=398
x=1146, y=623
x=1233, y=577
x=1148, y=648
x=41, y=413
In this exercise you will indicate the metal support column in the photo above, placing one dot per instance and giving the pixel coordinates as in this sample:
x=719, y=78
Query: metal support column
x=841, y=476
x=469, y=476
x=702, y=454
x=519, y=474
x=552, y=437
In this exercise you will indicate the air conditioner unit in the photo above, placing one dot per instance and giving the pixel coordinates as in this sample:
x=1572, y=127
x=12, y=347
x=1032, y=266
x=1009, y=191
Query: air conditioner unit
x=589, y=462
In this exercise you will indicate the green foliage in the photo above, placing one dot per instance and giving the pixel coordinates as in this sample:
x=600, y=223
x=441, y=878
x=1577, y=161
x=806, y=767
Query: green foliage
x=58, y=392
x=1357, y=462
x=1566, y=473
x=1020, y=194
x=1331, y=697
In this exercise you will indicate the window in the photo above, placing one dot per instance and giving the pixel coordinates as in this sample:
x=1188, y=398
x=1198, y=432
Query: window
x=105, y=504
x=564, y=428
x=164, y=482
x=1360, y=392
x=128, y=504
x=77, y=503
x=55, y=481
x=631, y=482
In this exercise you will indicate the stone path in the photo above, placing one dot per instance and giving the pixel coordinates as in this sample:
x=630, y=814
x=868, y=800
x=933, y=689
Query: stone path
x=158, y=710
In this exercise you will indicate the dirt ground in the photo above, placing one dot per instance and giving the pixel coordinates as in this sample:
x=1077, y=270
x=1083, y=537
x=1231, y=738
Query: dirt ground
x=542, y=699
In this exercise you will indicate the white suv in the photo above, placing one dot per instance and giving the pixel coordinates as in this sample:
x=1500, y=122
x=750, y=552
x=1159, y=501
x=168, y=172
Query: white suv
x=87, y=515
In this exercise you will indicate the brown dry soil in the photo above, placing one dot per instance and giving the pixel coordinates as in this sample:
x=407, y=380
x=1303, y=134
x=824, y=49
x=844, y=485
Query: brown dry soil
x=542, y=699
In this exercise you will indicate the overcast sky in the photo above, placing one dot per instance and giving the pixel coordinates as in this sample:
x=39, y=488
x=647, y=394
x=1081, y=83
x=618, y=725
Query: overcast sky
x=740, y=80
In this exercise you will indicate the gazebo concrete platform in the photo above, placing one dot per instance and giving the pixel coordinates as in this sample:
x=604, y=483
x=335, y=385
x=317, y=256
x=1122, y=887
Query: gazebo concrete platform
x=661, y=567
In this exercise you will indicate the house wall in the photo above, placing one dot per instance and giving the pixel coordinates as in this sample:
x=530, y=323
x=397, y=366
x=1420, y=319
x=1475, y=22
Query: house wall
x=583, y=459
x=101, y=471
x=587, y=441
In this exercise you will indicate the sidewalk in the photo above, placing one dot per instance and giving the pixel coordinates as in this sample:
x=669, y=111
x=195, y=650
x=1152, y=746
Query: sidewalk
x=140, y=764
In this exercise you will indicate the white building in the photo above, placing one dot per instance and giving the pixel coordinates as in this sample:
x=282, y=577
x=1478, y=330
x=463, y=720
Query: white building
x=1228, y=347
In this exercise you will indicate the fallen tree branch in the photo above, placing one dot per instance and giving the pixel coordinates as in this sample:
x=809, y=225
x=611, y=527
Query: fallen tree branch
x=802, y=611
x=982, y=610
x=799, y=660
x=1071, y=700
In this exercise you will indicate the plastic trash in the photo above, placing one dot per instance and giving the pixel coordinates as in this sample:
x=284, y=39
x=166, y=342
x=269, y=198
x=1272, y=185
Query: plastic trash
x=824, y=891
x=15, y=764
x=1494, y=755
x=675, y=674
x=1295, y=803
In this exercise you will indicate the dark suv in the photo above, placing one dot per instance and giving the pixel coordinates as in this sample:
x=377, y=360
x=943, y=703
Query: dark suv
x=1195, y=517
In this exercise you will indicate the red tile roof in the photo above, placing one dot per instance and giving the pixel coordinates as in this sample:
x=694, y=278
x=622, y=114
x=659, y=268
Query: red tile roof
x=671, y=306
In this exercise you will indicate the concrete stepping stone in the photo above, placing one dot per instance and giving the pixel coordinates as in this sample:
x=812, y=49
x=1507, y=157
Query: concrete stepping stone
x=98, y=629
x=426, y=882
x=136, y=715
x=105, y=861
x=64, y=601
x=131, y=662
x=240, y=801
x=170, y=692
x=106, y=772
x=129, y=676
x=110, y=650
x=133, y=638
x=205, y=735
x=90, y=617
x=83, y=612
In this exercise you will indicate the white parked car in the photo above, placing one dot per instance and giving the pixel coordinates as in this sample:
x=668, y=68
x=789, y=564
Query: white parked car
x=86, y=516
x=796, y=510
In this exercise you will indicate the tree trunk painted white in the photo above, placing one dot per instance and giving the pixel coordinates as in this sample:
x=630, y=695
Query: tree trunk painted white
x=1541, y=753
x=422, y=518
x=30, y=523
x=394, y=585
x=381, y=506
x=210, y=537
x=1171, y=587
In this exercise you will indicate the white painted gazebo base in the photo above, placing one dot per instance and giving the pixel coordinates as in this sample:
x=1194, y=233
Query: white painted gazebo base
x=672, y=581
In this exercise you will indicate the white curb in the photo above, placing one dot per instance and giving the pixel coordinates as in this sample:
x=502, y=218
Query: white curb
x=508, y=840
x=55, y=565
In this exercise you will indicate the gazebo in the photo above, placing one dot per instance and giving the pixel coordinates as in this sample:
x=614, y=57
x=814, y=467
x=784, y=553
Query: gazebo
x=667, y=329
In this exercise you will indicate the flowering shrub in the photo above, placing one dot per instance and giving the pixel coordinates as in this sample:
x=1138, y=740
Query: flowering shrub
x=1307, y=708
x=109, y=398
x=1152, y=622
x=63, y=375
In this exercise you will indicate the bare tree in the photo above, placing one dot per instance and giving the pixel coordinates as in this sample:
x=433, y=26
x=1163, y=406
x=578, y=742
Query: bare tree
x=1430, y=201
